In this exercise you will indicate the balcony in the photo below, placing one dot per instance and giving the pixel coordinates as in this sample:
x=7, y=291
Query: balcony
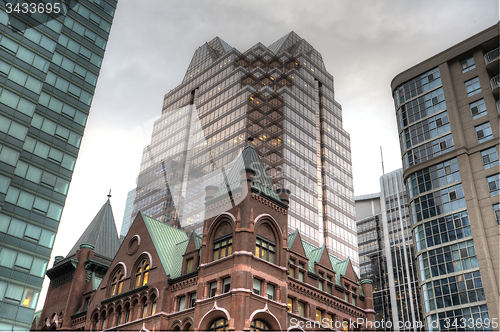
x=498, y=108
x=495, y=84
x=491, y=60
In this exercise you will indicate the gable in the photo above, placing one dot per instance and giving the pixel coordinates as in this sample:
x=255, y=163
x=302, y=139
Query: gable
x=349, y=272
x=296, y=245
x=324, y=260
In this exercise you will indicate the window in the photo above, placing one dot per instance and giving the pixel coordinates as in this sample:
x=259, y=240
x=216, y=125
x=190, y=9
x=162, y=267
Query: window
x=117, y=283
x=329, y=289
x=301, y=276
x=142, y=274
x=496, y=208
x=222, y=248
x=193, y=300
x=494, y=184
x=182, y=303
x=320, y=284
x=472, y=86
x=189, y=265
x=478, y=109
x=318, y=315
x=291, y=271
x=354, y=300
x=258, y=325
x=329, y=317
x=127, y=315
x=301, y=307
x=257, y=284
x=213, y=288
x=226, y=285
x=270, y=291
x=144, y=310
x=153, y=306
x=119, y=316
x=483, y=132
x=346, y=296
x=219, y=325
x=467, y=64
x=265, y=249
x=490, y=157
x=289, y=304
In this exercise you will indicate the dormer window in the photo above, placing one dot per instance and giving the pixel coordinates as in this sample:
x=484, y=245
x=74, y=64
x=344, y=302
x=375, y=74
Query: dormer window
x=189, y=265
x=142, y=274
x=222, y=247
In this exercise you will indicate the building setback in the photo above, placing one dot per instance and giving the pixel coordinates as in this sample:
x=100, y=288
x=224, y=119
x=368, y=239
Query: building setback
x=386, y=253
x=282, y=96
x=49, y=65
x=244, y=272
x=447, y=111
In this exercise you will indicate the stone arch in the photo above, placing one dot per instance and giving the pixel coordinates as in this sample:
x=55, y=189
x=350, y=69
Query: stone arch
x=221, y=228
x=211, y=315
x=266, y=316
x=187, y=322
x=176, y=325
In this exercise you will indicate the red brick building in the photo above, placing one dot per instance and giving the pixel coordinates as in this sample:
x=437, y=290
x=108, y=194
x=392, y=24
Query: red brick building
x=245, y=273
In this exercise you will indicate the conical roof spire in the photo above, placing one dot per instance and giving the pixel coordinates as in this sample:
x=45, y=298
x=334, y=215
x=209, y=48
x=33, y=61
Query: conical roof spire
x=101, y=233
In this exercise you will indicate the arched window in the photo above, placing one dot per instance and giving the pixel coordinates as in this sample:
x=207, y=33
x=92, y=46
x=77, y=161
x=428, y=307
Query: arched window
x=142, y=274
x=219, y=325
x=153, y=305
x=127, y=313
x=117, y=283
x=265, y=249
x=119, y=317
x=258, y=325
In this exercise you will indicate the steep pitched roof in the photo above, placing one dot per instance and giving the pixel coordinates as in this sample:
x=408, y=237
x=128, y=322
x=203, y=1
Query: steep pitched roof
x=262, y=183
x=210, y=51
x=294, y=44
x=101, y=233
x=170, y=244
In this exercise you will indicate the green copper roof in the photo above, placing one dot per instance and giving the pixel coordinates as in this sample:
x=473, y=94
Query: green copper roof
x=169, y=244
x=314, y=253
x=249, y=159
x=291, y=238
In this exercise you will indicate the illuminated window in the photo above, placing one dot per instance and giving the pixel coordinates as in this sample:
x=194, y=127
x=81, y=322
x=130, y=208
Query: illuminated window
x=219, y=325
x=117, y=283
x=319, y=314
x=330, y=320
x=142, y=274
x=258, y=325
x=153, y=306
x=222, y=248
x=289, y=304
x=291, y=271
x=265, y=249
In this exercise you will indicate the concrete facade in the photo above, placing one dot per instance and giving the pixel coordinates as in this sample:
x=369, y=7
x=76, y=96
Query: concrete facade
x=462, y=161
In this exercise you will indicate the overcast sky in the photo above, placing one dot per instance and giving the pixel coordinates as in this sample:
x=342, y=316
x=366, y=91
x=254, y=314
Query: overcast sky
x=364, y=44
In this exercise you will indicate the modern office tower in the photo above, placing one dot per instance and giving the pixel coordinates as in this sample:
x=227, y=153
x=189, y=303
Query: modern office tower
x=50, y=57
x=447, y=112
x=127, y=214
x=283, y=97
x=386, y=252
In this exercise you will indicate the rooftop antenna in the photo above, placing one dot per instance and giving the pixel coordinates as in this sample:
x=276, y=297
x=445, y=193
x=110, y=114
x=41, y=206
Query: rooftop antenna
x=382, y=158
x=109, y=195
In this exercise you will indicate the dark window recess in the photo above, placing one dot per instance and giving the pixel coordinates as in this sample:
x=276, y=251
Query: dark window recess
x=62, y=280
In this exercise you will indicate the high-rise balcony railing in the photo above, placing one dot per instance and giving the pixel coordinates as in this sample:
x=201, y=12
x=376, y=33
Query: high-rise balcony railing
x=495, y=86
x=492, y=55
x=498, y=107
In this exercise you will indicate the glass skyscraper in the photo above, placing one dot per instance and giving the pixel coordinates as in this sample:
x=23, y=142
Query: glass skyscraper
x=50, y=57
x=447, y=111
x=386, y=253
x=283, y=97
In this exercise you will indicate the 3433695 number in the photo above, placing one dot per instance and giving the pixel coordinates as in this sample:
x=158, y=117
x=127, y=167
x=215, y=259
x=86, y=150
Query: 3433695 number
x=32, y=8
